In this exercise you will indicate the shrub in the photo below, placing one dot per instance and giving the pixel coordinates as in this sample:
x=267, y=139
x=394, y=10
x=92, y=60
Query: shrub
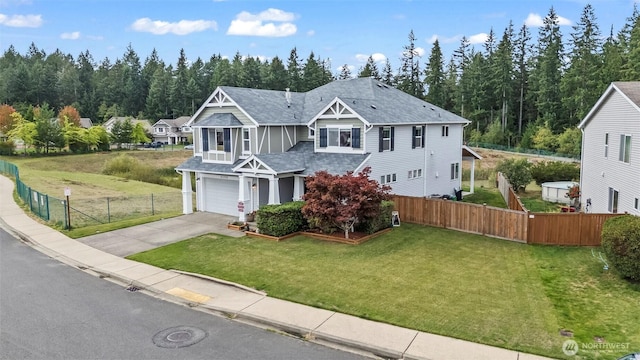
x=546, y=171
x=621, y=245
x=382, y=221
x=7, y=147
x=281, y=220
x=120, y=165
x=517, y=172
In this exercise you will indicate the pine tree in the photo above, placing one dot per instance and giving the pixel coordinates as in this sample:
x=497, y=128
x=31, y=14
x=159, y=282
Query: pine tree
x=522, y=55
x=370, y=70
x=435, y=77
x=582, y=83
x=276, y=76
x=180, y=103
x=293, y=71
x=312, y=74
x=387, y=74
x=409, y=77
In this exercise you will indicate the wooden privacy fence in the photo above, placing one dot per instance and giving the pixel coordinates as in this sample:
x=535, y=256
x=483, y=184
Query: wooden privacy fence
x=533, y=228
x=467, y=217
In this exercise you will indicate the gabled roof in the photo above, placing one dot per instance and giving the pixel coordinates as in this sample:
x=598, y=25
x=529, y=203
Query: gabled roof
x=377, y=103
x=178, y=122
x=86, y=123
x=630, y=90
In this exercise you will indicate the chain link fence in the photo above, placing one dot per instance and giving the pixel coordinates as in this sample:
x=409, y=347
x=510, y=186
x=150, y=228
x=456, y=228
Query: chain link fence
x=542, y=153
x=79, y=213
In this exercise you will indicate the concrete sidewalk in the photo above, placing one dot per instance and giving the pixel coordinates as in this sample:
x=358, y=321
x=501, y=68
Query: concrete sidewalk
x=241, y=303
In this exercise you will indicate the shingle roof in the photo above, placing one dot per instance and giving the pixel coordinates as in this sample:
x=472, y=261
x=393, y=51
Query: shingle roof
x=220, y=119
x=375, y=102
x=178, y=122
x=302, y=160
x=195, y=164
x=631, y=89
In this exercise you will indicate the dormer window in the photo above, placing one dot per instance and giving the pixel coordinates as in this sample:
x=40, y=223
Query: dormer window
x=217, y=139
x=340, y=137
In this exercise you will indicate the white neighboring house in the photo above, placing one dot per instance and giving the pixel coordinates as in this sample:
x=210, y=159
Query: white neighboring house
x=254, y=147
x=609, y=170
x=170, y=131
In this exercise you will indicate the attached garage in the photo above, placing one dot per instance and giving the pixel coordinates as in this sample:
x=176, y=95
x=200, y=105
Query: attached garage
x=221, y=195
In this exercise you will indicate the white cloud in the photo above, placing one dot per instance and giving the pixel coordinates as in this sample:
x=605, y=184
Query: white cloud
x=444, y=40
x=182, y=27
x=30, y=21
x=535, y=20
x=377, y=57
x=70, y=35
x=420, y=51
x=269, y=23
x=313, y=32
x=480, y=38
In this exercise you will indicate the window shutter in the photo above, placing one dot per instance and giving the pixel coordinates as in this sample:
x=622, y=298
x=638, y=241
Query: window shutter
x=380, y=138
x=392, y=138
x=355, y=138
x=413, y=137
x=227, y=139
x=205, y=139
x=323, y=137
x=424, y=135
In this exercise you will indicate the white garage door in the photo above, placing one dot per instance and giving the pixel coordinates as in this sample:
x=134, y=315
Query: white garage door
x=221, y=196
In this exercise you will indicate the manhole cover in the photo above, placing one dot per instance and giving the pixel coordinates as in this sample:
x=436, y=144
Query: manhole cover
x=179, y=336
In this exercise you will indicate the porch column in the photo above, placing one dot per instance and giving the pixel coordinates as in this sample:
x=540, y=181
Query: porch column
x=473, y=173
x=298, y=187
x=274, y=190
x=241, y=186
x=187, y=193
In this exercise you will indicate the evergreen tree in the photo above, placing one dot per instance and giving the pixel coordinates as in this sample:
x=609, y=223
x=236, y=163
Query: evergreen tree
x=370, y=70
x=156, y=106
x=502, y=71
x=582, y=83
x=133, y=92
x=180, y=102
x=631, y=66
x=345, y=72
x=387, y=74
x=612, y=59
x=276, y=76
x=409, y=77
x=293, y=71
x=522, y=55
x=435, y=76
x=312, y=74
x=548, y=74
x=87, y=104
x=237, y=76
x=251, y=77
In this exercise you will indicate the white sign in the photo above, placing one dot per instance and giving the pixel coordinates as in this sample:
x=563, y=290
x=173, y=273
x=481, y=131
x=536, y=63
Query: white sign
x=67, y=191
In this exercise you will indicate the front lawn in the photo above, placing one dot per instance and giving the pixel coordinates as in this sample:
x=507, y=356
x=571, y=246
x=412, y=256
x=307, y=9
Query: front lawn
x=462, y=285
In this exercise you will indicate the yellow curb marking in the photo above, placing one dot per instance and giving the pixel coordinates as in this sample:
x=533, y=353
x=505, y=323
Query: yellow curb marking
x=189, y=295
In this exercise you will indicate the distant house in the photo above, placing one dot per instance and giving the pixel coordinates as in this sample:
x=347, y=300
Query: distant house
x=86, y=123
x=610, y=164
x=108, y=125
x=170, y=131
x=254, y=147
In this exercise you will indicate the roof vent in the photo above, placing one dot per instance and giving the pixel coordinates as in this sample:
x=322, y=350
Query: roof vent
x=354, y=101
x=379, y=85
x=385, y=86
x=432, y=108
x=373, y=107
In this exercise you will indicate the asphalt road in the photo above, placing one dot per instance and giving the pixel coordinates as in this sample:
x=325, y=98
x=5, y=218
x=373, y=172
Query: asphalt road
x=49, y=310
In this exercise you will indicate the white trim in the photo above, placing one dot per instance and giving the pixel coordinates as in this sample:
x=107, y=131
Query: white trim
x=601, y=101
x=339, y=114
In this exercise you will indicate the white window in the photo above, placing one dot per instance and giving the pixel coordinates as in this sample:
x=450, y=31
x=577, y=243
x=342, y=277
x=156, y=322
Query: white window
x=445, y=130
x=246, y=142
x=636, y=204
x=339, y=137
x=606, y=145
x=414, y=174
x=160, y=129
x=613, y=200
x=455, y=171
x=625, y=147
x=386, y=179
x=312, y=133
x=417, y=137
x=386, y=138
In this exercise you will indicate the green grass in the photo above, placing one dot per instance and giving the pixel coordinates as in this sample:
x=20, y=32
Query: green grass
x=95, y=229
x=484, y=195
x=461, y=285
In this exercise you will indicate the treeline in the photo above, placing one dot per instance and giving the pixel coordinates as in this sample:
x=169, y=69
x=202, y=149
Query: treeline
x=516, y=91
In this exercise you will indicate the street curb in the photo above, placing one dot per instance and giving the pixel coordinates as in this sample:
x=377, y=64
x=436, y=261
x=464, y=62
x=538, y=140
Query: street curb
x=220, y=281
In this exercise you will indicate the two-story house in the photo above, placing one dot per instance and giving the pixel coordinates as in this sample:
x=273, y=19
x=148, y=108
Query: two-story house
x=609, y=171
x=254, y=147
x=170, y=131
x=108, y=125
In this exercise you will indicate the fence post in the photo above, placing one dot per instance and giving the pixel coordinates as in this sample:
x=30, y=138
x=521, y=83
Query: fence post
x=66, y=218
x=152, y=209
x=108, y=211
x=46, y=201
x=30, y=198
x=484, y=216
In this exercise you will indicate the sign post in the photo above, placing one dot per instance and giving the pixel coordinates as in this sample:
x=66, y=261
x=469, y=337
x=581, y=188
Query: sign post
x=67, y=194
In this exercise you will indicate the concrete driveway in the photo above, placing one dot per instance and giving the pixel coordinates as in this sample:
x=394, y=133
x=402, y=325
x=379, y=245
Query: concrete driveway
x=131, y=240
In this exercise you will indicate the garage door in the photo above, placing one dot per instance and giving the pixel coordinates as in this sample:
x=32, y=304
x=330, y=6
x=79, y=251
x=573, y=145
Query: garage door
x=221, y=196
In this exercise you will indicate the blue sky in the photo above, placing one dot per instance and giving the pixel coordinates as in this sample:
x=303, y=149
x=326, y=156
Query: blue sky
x=344, y=31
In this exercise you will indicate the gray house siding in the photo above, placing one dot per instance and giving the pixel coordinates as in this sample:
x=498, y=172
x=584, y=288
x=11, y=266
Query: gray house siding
x=440, y=158
x=599, y=173
x=225, y=109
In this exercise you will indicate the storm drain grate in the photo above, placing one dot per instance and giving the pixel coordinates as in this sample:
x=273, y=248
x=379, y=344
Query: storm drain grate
x=132, y=288
x=178, y=337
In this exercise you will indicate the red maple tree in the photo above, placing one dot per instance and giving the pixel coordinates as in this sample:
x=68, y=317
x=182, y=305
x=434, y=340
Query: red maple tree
x=72, y=114
x=6, y=121
x=340, y=201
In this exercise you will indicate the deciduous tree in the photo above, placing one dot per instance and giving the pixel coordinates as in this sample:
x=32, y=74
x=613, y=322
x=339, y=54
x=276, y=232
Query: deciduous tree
x=340, y=201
